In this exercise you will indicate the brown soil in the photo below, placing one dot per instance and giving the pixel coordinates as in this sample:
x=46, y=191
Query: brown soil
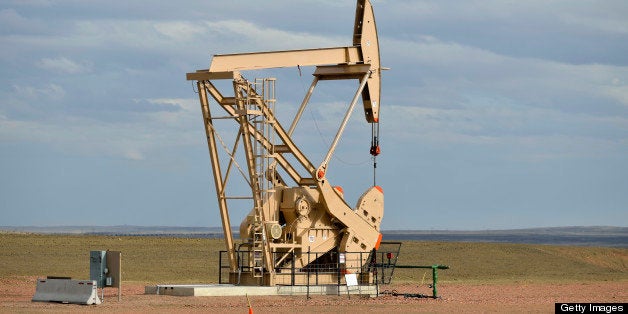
x=16, y=294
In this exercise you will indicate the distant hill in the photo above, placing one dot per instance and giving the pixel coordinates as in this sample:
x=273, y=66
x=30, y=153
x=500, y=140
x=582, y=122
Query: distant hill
x=114, y=230
x=575, y=230
x=577, y=235
x=583, y=236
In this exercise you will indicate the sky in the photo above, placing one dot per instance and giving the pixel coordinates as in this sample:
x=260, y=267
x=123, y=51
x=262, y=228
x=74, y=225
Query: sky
x=494, y=115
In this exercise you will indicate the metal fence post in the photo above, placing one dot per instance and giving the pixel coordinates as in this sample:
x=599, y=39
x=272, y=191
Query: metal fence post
x=308, y=272
x=339, y=271
x=292, y=274
x=220, y=267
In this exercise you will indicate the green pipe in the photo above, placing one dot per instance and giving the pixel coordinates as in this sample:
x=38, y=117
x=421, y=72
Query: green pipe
x=434, y=280
x=409, y=266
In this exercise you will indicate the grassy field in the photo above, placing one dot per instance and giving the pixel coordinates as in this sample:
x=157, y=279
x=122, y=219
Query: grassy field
x=178, y=260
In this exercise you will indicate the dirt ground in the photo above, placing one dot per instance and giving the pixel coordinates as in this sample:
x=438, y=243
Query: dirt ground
x=16, y=294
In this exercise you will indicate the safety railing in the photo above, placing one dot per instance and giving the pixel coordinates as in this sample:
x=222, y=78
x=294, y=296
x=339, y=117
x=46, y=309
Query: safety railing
x=321, y=268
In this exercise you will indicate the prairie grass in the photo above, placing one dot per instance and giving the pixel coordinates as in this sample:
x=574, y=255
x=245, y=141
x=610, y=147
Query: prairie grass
x=178, y=260
x=144, y=259
x=505, y=262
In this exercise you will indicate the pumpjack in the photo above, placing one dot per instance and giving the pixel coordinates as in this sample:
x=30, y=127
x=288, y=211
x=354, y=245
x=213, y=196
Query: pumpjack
x=290, y=219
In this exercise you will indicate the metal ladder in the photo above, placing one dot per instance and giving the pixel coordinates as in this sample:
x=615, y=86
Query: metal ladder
x=261, y=90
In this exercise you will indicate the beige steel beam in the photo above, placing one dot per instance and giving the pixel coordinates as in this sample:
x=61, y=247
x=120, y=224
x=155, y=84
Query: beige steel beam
x=285, y=164
x=287, y=140
x=320, y=173
x=341, y=72
x=284, y=59
x=205, y=75
x=304, y=103
x=215, y=161
x=281, y=133
x=288, y=147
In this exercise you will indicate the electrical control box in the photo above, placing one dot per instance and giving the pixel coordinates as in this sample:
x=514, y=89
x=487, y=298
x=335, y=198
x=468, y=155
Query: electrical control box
x=98, y=267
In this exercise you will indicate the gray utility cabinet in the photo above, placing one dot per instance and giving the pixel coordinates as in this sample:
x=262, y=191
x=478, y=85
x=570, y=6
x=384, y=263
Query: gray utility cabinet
x=98, y=267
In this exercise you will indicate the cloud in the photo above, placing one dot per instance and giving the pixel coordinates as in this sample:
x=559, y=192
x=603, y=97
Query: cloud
x=517, y=133
x=134, y=155
x=446, y=71
x=466, y=95
x=9, y=18
x=63, y=64
x=31, y=3
x=150, y=106
x=586, y=32
x=243, y=35
x=605, y=17
x=49, y=91
x=180, y=30
x=618, y=92
x=85, y=137
x=188, y=110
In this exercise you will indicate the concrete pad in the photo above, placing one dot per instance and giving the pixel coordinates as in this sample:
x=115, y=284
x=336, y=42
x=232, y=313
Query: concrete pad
x=200, y=290
x=233, y=290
